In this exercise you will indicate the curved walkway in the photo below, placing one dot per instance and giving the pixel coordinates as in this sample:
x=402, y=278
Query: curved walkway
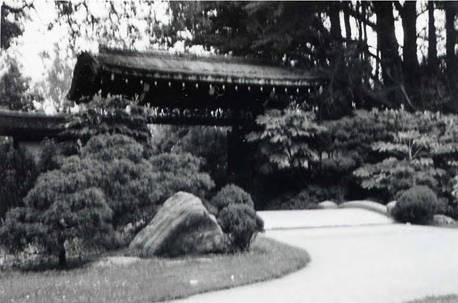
x=366, y=263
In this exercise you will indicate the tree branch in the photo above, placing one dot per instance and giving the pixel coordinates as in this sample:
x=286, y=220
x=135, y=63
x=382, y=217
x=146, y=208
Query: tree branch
x=358, y=16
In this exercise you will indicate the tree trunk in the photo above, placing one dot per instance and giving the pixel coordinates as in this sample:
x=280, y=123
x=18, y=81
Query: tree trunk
x=336, y=30
x=364, y=12
x=432, y=39
x=62, y=255
x=450, y=12
x=360, y=23
x=347, y=21
x=387, y=43
x=409, y=20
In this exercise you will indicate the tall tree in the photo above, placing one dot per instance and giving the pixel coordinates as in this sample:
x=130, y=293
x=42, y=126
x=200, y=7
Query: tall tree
x=408, y=15
x=432, y=39
x=14, y=89
x=387, y=43
x=451, y=39
x=347, y=19
x=334, y=11
x=267, y=30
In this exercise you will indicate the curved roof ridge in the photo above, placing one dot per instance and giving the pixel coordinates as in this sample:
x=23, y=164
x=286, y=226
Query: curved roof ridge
x=163, y=53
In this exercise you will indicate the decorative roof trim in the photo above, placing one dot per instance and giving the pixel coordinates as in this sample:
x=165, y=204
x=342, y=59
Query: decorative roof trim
x=202, y=77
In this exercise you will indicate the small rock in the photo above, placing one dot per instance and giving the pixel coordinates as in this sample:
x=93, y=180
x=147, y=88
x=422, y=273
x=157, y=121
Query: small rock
x=116, y=261
x=442, y=220
x=327, y=204
x=193, y=282
x=365, y=204
x=390, y=206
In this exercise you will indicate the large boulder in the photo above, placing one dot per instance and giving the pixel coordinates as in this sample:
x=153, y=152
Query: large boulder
x=327, y=205
x=365, y=204
x=442, y=220
x=181, y=226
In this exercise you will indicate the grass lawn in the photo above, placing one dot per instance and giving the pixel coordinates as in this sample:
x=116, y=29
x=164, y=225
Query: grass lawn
x=154, y=279
x=440, y=299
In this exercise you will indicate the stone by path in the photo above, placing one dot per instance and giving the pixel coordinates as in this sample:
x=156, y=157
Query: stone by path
x=321, y=218
x=383, y=263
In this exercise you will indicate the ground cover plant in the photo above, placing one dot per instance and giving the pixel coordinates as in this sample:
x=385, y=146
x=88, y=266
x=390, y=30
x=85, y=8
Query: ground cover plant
x=156, y=279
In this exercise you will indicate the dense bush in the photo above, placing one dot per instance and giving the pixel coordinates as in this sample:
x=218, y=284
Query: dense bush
x=236, y=214
x=18, y=173
x=128, y=179
x=64, y=205
x=110, y=186
x=231, y=194
x=180, y=172
x=241, y=224
x=206, y=142
x=406, y=156
x=416, y=205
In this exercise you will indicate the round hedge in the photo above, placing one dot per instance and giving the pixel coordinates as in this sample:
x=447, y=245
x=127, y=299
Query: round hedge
x=416, y=205
x=231, y=194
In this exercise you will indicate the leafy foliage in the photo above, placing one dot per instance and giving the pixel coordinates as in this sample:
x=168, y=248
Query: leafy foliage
x=111, y=115
x=18, y=173
x=288, y=138
x=206, y=142
x=14, y=89
x=394, y=175
x=416, y=205
x=409, y=155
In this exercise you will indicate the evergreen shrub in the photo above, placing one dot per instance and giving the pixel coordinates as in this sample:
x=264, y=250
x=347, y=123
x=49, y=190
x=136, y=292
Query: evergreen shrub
x=231, y=194
x=241, y=224
x=416, y=205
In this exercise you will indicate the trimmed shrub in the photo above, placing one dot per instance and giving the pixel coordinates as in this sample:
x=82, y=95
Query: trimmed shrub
x=231, y=194
x=241, y=224
x=416, y=205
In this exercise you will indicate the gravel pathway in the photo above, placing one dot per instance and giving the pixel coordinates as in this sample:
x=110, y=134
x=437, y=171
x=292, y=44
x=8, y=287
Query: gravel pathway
x=357, y=263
